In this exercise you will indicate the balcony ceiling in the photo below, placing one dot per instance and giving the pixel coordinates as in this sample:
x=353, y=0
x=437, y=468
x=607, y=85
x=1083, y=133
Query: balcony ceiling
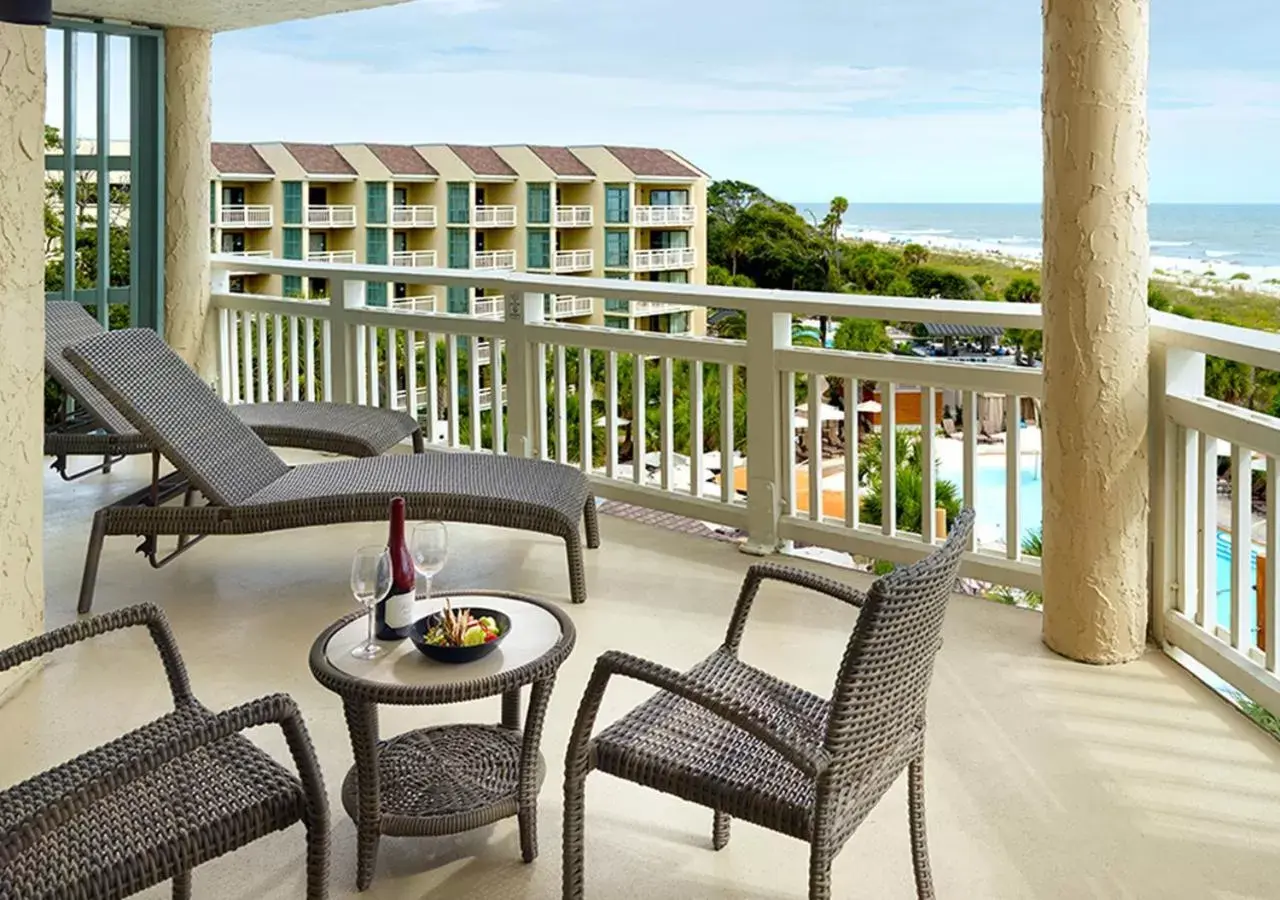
x=213, y=15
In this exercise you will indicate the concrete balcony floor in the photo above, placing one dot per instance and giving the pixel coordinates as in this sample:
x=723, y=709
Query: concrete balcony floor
x=1046, y=778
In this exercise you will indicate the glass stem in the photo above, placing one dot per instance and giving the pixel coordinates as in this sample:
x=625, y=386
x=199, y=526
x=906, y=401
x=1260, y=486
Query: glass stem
x=369, y=641
x=426, y=587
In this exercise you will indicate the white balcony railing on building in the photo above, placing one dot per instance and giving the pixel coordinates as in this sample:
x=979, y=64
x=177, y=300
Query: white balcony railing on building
x=650, y=308
x=245, y=217
x=331, y=216
x=567, y=306
x=574, y=260
x=1207, y=598
x=413, y=217
x=664, y=216
x=494, y=259
x=489, y=307
x=332, y=256
x=425, y=259
x=664, y=260
x=574, y=216
x=416, y=302
x=494, y=217
x=247, y=254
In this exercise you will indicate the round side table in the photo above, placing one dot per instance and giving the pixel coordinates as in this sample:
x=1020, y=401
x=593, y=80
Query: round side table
x=445, y=779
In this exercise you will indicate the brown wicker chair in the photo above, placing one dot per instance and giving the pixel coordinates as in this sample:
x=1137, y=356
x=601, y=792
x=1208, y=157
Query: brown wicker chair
x=96, y=428
x=250, y=490
x=749, y=746
x=152, y=805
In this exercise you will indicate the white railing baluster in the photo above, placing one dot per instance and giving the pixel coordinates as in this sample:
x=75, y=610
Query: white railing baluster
x=586, y=416
x=1188, y=523
x=562, y=413
x=433, y=384
x=1207, y=609
x=278, y=356
x=695, y=428
x=728, y=489
x=1269, y=628
x=540, y=401
x=263, y=360
x=786, y=415
x=393, y=368
x=1241, y=534
x=888, y=459
x=971, y=458
x=851, y=500
x=928, y=464
x=611, y=414
x=233, y=355
x=474, y=351
x=246, y=354
x=666, y=434
x=639, y=418
x=500, y=382
x=375, y=383
x=224, y=355
x=1012, y=477
x=326, y=359
x=451, y=373
x=293, y=359
x=815, y=447
x=411, y=372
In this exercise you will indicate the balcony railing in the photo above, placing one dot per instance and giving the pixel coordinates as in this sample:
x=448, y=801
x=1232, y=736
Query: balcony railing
x=664, y=216
x=413, y=217
x=247, y=254
x=245, y=217
x=567, y=306
x=1208, y=599
x=494, y=217
x=574, y=216
x=489, y=307
x=494, y=259
x=414, y=258
x=332, y=256
x=416, y=302
x=664, y=260
x=574, y=260
x=651, y=308
x=331, y=216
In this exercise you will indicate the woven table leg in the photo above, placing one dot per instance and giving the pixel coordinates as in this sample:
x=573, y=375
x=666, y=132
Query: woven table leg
x=719, y=830
x=362, y=721
x=511, y=709
x=182, y=886
x=919, y=841
x=539, y=696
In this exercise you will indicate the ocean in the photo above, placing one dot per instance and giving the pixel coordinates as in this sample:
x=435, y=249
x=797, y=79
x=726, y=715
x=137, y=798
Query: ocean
x=1196, y=239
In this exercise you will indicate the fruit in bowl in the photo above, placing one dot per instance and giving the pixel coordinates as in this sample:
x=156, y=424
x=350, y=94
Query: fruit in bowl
x=459, y=635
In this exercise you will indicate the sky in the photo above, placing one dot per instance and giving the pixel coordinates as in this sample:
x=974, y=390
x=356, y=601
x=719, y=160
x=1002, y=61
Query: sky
x=878, y=100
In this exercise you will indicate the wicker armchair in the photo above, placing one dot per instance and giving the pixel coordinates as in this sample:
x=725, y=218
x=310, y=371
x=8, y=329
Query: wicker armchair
x=152, y=805
x=750, y=746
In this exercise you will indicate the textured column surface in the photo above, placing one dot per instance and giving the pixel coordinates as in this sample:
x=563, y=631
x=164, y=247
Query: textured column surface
x=188, y=325
x=22, y=89
x=1095, y=328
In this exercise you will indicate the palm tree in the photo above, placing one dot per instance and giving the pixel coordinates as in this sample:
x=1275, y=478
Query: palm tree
x=909, y=484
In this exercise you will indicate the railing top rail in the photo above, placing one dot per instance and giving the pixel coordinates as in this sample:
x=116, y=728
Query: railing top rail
x=1245, y=345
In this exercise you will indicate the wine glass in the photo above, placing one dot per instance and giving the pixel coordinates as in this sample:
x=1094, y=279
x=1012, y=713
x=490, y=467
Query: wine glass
x=429, y=549
x=370, y=582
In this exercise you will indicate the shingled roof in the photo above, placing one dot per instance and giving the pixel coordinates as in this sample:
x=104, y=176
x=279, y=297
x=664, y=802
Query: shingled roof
x=563, y=161
x=647, y=162
x=238, y=159
x=320, y=159
x=401, y=159
x=483, y=160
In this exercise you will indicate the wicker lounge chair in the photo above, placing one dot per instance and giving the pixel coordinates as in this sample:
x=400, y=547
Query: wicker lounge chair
x=97, y=429
x=152, y=805
x=749, y=746
x=250, y=490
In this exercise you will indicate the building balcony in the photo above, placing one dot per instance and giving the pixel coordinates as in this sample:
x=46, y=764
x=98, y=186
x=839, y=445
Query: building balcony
x=418, y=259
x=413, y=217
x=664, y=216
x=664, y=260
x=574, y=216
x=331, y=217
x=245, y=217
x=654, y=308
x=247, y=254
x=332, y=256
x=416, y=302
x=489, y=307
x=494, y=259
x=494, y=217
x=574, y=261
x=569, y=306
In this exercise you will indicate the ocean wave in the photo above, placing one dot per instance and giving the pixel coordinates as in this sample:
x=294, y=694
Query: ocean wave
x=1173, y=243
x=1221, y=254
x=929, y=232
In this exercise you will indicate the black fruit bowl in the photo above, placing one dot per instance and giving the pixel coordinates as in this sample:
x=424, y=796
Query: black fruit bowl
x=418, y=632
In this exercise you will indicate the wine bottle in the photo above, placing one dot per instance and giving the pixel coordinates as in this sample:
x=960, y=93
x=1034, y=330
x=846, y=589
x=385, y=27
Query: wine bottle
x=394, y=614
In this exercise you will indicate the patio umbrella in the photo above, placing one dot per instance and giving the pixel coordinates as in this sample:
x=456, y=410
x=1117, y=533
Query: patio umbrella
x=869, y=406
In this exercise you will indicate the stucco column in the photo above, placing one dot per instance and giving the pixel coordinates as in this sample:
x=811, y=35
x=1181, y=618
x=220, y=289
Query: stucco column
x=1095, y=328
x=22, y=89
x=188, y=326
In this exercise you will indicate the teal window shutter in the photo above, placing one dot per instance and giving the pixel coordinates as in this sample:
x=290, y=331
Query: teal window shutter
x=376, y=246
x=615, y=305
x=458, y=301
x=617, y=322
x=459, y=248
x=539, y=241
x=293, y=243
x=617, y=249
x=293, y=203
x=376, y=208
x=213, y=202
x=375, y=293
x=293, y=286
x=617, y=204
x=540, y=204
x=459, y=203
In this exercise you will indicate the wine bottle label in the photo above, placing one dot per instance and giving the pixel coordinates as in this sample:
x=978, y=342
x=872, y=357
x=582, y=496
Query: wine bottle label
x=399, y=610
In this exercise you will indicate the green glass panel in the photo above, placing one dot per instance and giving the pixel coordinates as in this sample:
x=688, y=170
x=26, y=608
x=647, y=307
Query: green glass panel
x=459, y=248
x=539, y=241
x=376, y=246
x=540, y=204
x=617, y=322
x=293, y=243
x=293, y=203
x=679, y=323
x=213, y=202
x=617, y=249
x=458, y=301
x=612, y=305
x=375, y=293
x=376, y=207
x=293, y=286
x=617, y=204
x=459, y=203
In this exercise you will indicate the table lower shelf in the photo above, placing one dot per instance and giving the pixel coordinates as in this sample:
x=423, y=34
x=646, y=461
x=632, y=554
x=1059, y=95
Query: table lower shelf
x=445, y=779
